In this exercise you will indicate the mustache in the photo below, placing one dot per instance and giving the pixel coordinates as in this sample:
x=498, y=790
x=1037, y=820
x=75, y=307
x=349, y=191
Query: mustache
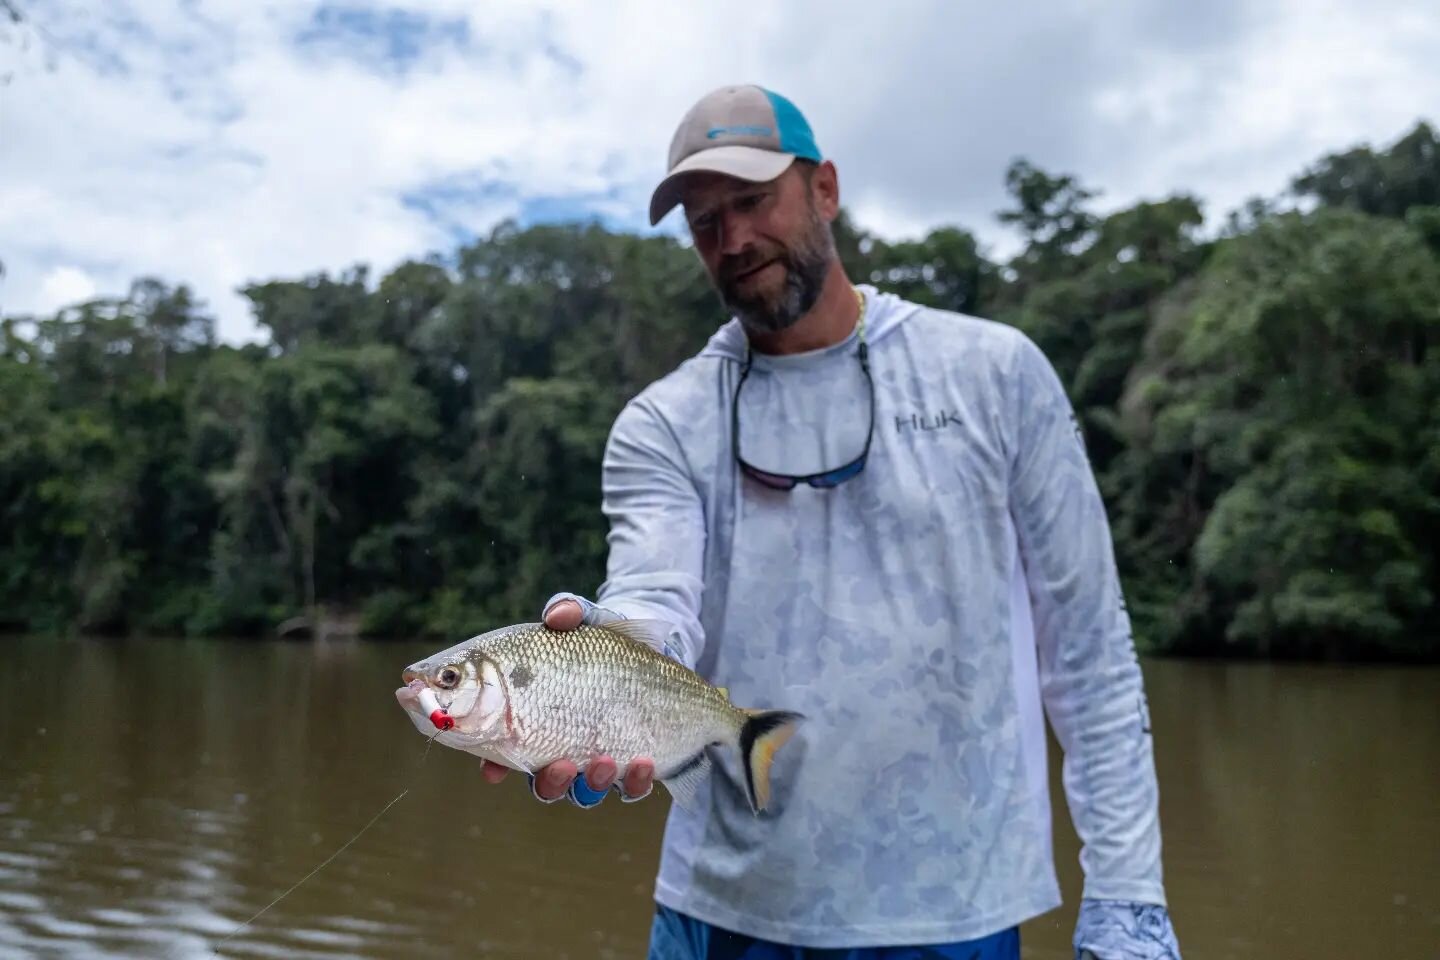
x=732, y=267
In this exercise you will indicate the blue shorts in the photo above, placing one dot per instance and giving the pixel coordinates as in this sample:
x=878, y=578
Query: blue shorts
x=675, y=936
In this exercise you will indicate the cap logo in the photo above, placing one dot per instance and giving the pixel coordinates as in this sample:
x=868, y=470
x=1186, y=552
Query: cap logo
x=740, y=131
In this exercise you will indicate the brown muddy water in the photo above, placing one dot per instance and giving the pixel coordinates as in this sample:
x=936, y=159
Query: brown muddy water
x=155, y=794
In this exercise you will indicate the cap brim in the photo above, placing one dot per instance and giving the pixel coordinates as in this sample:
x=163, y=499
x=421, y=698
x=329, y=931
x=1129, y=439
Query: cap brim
x=745, y=163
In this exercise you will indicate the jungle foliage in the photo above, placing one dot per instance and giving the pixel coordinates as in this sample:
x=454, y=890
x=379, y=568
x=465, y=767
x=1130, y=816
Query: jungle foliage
x=420, y=452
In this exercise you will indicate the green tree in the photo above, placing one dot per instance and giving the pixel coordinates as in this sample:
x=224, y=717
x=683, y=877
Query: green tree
x=1278, y=490
x=1386, y=183
x=1262, y=411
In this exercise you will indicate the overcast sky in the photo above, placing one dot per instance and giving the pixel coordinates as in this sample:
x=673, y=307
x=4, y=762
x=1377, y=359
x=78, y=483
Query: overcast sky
x=220, y=142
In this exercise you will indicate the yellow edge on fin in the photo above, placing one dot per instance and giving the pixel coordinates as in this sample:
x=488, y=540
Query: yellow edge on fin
x=766, y=749
x=763, y=755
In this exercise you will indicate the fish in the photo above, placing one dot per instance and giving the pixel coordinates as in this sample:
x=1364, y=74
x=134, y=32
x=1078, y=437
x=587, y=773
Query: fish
x=524, y=696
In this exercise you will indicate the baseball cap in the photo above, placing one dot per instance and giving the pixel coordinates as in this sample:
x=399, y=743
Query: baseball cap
x=742, y=130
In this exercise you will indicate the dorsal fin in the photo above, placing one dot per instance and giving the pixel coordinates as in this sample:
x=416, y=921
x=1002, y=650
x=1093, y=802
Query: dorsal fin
x=652, y=633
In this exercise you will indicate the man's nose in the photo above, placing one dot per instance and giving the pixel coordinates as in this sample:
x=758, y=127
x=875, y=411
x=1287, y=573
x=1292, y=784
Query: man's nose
x=735, y=233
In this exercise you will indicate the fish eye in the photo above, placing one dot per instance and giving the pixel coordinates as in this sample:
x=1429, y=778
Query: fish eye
x=448, y=677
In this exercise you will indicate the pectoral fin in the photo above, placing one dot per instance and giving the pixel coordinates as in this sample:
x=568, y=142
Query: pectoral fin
x=500, y=754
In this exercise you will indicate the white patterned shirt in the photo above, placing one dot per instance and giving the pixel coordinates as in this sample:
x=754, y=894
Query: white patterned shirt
x=921, y=615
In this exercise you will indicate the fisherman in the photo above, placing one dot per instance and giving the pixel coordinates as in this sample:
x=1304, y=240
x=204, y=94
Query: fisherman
x=879, y=515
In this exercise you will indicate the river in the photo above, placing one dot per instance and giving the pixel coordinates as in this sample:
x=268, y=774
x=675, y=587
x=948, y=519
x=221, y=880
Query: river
x=155, y=794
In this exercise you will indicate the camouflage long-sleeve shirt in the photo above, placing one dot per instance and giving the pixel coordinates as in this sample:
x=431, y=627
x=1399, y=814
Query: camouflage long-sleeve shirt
x=922, y=616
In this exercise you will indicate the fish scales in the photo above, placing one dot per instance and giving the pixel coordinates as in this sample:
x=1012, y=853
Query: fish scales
x=589, y=692
x=526, y=696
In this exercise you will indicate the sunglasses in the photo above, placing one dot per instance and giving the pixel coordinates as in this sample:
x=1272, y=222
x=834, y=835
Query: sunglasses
x=825, y=479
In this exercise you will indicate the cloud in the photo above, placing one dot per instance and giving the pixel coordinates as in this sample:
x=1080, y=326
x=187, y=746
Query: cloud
x=390, y=40
x=65, y=285
x=222, y=143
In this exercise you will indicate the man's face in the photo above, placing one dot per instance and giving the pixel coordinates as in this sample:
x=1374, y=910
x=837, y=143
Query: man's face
x=767, y=246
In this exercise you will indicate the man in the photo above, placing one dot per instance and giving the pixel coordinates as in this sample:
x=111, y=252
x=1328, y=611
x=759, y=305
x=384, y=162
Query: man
x=940, y=572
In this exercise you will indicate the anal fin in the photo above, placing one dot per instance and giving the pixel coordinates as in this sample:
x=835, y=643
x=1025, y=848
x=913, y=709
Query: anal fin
x=684, y=784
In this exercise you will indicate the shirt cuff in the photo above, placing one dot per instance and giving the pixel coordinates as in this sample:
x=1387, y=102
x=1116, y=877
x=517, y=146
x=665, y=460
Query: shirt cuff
x=1121, y=930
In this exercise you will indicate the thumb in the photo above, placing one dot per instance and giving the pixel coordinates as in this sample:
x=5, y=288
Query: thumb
x=564, y=615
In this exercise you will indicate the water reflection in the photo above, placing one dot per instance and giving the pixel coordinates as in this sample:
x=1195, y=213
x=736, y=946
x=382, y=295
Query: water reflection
x=154, y=795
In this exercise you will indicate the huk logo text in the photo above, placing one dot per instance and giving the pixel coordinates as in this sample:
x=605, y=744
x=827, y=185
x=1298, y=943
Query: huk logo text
x=922, y=421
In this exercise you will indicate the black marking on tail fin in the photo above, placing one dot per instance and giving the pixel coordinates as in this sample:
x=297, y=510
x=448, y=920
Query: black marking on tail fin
x=755, y=729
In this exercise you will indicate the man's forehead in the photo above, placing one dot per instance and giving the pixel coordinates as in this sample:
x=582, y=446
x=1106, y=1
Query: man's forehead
x=704, y=188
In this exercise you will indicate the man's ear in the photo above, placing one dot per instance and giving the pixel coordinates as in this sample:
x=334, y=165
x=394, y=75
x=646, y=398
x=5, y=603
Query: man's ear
x=825, y=189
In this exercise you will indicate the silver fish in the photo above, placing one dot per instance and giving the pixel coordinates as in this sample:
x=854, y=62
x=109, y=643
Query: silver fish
x=524, y=696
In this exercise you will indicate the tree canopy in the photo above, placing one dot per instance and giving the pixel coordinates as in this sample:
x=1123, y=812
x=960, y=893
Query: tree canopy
x=420, y=452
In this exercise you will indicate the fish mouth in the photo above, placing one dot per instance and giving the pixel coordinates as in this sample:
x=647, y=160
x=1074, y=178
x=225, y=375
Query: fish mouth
x=419, y=701
x=409, y=695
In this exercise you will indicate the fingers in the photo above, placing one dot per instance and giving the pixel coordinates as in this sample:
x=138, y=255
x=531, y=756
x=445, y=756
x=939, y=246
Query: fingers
x=565, y=615
x=555, y=780
x=600, y=774
x=639, y=778
x=551, y=781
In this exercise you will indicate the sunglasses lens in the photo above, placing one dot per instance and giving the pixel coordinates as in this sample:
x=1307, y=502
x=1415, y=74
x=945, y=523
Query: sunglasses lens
x=836, y=477
x=774, y=481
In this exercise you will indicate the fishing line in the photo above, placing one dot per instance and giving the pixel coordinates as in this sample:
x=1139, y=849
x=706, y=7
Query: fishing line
x=333, y=855
x=319, y=868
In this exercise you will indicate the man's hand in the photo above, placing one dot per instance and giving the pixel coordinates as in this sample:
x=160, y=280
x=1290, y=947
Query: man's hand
x=552, y=781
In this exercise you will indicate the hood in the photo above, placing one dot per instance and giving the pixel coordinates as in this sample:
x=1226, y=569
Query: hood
x=884, y=312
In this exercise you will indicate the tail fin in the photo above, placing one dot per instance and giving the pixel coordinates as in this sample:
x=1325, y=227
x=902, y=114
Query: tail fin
x=764, y=733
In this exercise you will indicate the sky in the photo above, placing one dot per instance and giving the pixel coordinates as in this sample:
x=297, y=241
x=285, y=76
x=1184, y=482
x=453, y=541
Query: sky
x=217, y=143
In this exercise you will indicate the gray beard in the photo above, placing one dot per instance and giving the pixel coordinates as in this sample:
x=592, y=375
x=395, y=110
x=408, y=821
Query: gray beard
x=803, y=282
x=805, y=272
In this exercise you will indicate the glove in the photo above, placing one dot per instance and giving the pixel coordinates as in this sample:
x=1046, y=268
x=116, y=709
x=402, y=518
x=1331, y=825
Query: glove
x=579, y=792
x=1120, y=930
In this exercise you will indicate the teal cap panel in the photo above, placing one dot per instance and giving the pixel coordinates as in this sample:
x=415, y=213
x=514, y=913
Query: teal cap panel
x=795, y=134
